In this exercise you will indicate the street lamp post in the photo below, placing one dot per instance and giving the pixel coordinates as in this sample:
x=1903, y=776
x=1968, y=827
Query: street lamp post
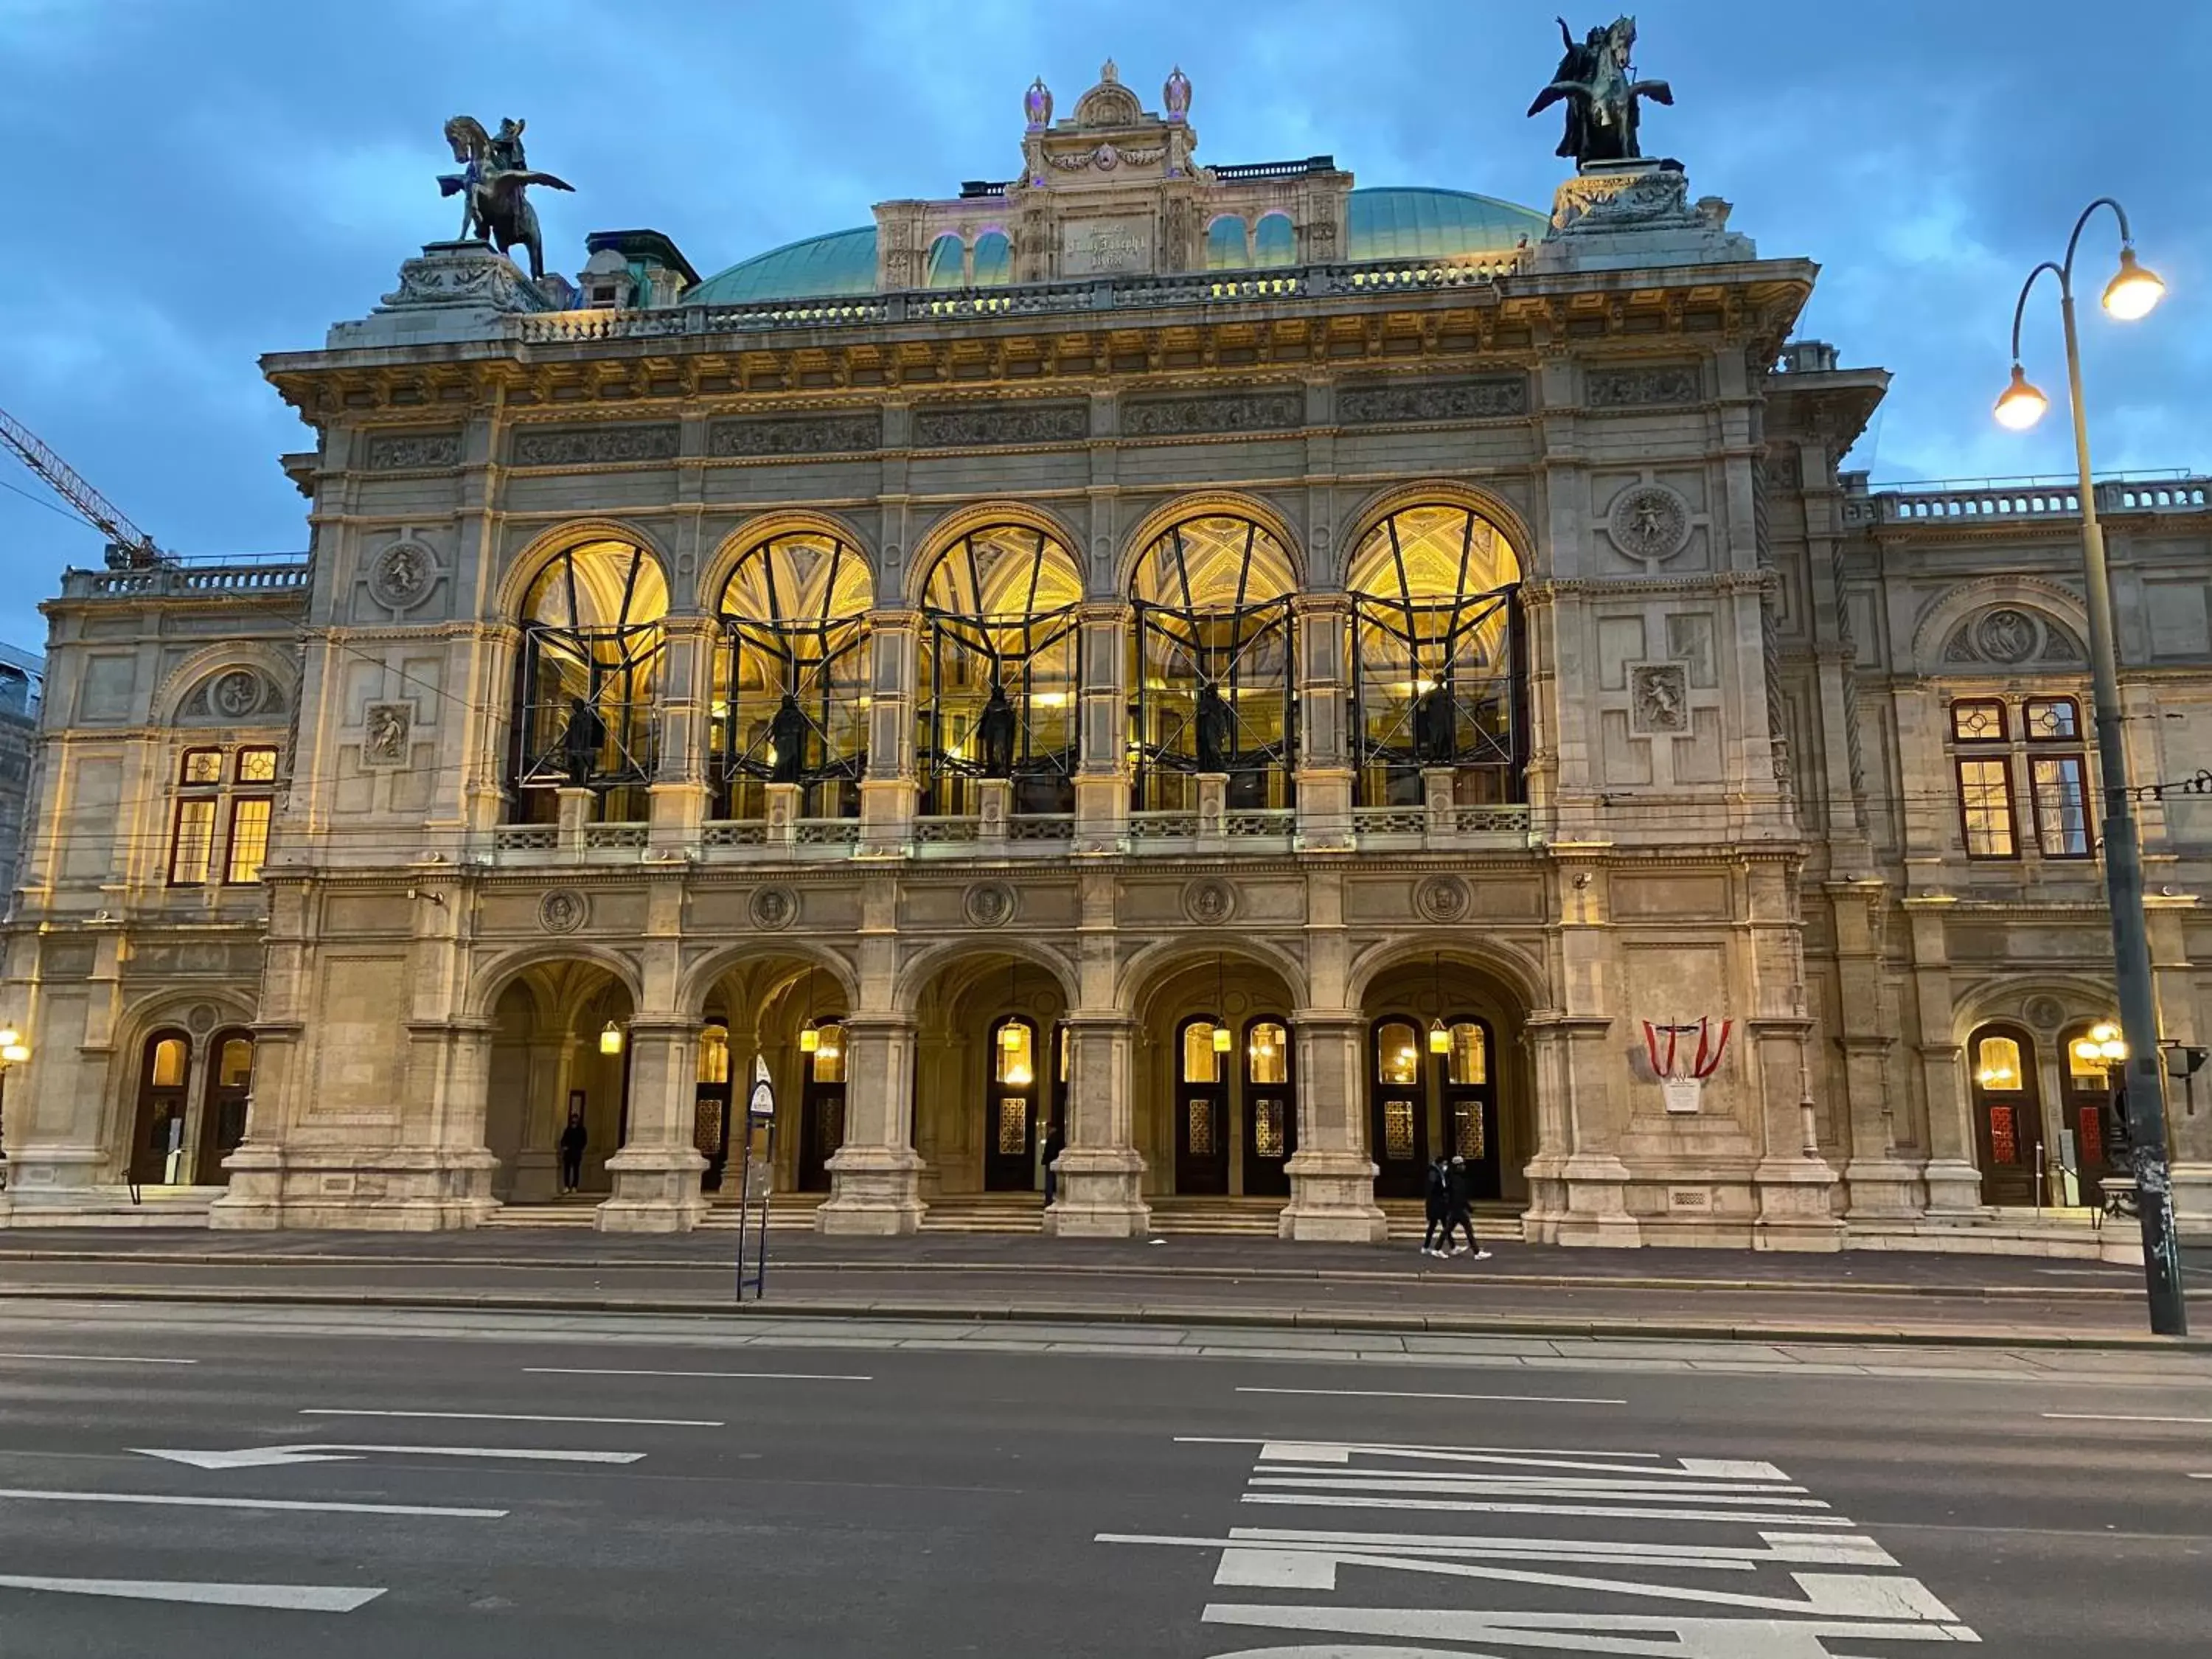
x=2129, y=296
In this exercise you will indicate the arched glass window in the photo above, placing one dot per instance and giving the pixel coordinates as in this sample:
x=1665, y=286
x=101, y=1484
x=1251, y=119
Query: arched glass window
x=1274, y=242
x=994, y=259
x=791, y=678
x=593, y=649
x=1436, y=679
x=997, y=672
x=1225, y=245
x=945, y=262
x=1397, y=1054
x=1996, y=1064
x=1214, y=689
x=1467, y=1055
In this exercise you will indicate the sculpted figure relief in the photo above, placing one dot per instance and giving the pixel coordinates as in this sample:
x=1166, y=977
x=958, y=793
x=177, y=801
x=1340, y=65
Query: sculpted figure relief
x=491, y=186
x=1597, y=81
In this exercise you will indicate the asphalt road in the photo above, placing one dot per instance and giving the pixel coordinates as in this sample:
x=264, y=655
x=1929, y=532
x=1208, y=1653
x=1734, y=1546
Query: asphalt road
x=825, y=1492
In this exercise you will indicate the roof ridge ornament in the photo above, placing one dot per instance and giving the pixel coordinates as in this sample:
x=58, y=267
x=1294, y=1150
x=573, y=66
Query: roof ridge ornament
x=1175, y=95
x=1037, y=104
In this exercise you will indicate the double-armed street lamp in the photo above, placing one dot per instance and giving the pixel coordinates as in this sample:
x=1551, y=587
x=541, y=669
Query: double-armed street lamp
x=2131, y=294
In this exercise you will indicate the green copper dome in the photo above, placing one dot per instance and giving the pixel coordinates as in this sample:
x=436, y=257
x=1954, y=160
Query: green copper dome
x=1380, y=224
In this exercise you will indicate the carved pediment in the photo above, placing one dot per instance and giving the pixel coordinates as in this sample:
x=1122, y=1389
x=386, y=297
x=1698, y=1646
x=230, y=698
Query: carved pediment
x=2012, y=636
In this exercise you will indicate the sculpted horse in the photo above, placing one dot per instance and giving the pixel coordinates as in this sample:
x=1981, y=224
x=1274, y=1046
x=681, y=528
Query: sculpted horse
x=494, y=207
x=1598, y=80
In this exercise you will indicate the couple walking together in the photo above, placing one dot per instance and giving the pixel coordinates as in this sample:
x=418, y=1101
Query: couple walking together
x=1450, y=1199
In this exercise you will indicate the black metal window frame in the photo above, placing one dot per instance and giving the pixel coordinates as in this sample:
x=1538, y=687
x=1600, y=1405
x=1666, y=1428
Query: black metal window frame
x=620, y=688
x=822, y=662
x=1014, y=646
x=1222, y=664
x=1488, y=709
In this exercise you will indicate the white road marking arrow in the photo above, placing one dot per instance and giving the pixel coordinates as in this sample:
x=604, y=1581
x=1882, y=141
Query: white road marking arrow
x=262, y=1457
x=302, y=1598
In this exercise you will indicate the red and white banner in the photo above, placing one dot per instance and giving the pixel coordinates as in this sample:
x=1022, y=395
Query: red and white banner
x=1673, y=1055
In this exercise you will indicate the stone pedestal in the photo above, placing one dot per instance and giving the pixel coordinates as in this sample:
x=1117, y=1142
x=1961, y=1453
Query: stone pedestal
x=1796, y=1205
x=391, y=1189
x=1621, y=215
x=1101, y=815
x=1212, y=806
x=886, y=817
x=1437, y=799
x=2193, y=1200
x=994, y=804
x=783, y=803
x=675, y=811
x=1325, y=810
x=452, y=291
x=1332, y=1178
x=1101, y=1188
x=875, y=1177
x=656, y=1174
x=575, y=812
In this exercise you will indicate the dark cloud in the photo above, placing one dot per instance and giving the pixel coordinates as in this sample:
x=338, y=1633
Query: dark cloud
x=194, y=182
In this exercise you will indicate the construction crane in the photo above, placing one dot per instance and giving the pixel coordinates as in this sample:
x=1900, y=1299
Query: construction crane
x=128, y=546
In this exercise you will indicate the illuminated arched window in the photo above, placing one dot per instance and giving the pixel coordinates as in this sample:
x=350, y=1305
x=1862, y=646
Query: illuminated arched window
x=1225, y=245
x=1436, y=659
x=946, y=263
x=593, y=647
x=791, y=678
x=1214, y=689
x=1274, y=242
x=994, y=259
x=998, y=671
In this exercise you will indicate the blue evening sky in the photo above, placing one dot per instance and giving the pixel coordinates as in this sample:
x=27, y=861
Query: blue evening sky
x=191, y=183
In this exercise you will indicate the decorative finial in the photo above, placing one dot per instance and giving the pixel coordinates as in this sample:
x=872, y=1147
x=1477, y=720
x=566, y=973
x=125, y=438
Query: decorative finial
x=1037, y=105
x=1177, y=93
x=1109, y=75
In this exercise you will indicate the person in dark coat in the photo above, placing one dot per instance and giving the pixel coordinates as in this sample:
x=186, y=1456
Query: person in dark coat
x=1459, y=1208
x=1437, y=1201
x=585, y=736
x=1055, y=1143
x=573, y=1141
x=995, y=734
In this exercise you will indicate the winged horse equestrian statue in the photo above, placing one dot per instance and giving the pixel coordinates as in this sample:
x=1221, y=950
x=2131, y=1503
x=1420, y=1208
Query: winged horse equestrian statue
x=1599, y=84
x=493, y=208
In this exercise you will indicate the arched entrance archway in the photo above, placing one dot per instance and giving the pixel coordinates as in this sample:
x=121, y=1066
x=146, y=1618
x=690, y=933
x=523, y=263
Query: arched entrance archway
x=1215, y=1109
x=559, y=1057
x=1446, y=1073
x=223, y=1111
x=990, y=1074
x=2008, y=1114
x=157, y=1134
x=789, y=1010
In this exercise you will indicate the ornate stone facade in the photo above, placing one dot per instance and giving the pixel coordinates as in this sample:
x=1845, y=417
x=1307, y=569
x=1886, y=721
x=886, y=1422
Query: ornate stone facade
x=496, y=811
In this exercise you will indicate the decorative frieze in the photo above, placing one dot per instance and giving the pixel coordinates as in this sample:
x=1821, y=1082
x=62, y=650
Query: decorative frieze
x=404, y=451
x=595, y=445
x=965, y=425
x=1645, y=385
x=1251, y=411
x=843, y=433
x=1497, y=397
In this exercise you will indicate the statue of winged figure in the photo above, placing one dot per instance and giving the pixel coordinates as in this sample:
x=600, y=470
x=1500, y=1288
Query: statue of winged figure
x=1597, y=80
x=493, y=208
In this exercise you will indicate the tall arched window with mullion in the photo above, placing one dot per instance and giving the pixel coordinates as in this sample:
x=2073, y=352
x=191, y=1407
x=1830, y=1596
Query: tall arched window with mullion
x=1438, y=679
x=791, y=682
x=1212, y=687
x=593, y=652
x=999, y=690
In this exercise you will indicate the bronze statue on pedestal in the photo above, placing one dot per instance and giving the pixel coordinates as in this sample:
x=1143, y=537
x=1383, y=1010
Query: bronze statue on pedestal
x=1598, y=82
x=493, y=208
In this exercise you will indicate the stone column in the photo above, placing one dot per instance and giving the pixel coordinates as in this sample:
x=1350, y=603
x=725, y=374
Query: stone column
x=1332, y=1178
x=889, y=792
x=1577, y=1184
x=1325, y=759
x=679, y=791
x=1952, y=1174
x=875, y=1177
x=656, y=1174
x=1879, y=1184
x=1102, y=784
x=1102, y=1174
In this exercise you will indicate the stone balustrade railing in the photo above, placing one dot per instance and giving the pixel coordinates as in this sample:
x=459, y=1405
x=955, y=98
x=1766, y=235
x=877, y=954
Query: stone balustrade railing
x=284, y=575
x=1022, y=835
x=1024, y=299
x=2024, y=501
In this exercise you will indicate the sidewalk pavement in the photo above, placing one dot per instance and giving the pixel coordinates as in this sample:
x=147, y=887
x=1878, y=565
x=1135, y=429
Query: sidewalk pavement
x=1524, y=1290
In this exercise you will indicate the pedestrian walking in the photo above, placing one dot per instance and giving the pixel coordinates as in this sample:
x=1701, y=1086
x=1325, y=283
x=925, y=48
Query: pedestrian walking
x=1459, y=1210
x=574, y=1139
x=1435, y=1198
x=1055, y=1143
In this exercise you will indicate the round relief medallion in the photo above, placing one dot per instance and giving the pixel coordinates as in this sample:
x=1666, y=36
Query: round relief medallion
x=2005, y=636
x=563, y=910
x=1649, y=521
x=1208, y=901
x=1440, y=898
x=401, y=575
x=2045, y=1011
x=990, y=904
x=201, y=1020
x=772, y=908
x=237, y=694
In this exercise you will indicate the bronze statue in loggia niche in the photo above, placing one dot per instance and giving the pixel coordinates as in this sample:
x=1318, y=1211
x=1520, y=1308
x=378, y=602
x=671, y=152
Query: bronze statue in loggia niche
x=1596, y=81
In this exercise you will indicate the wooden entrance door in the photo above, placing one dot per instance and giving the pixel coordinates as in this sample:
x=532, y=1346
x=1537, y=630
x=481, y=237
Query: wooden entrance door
x=1201, y=1110
x=822, y=1105
x=1271, y=1109
x=2086, y=1090
x=1010, y=1109
x=223, y=1116
x=157, y=1136
x=1398, y=1126
x=2008, y=1115
x=1467, y=1074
